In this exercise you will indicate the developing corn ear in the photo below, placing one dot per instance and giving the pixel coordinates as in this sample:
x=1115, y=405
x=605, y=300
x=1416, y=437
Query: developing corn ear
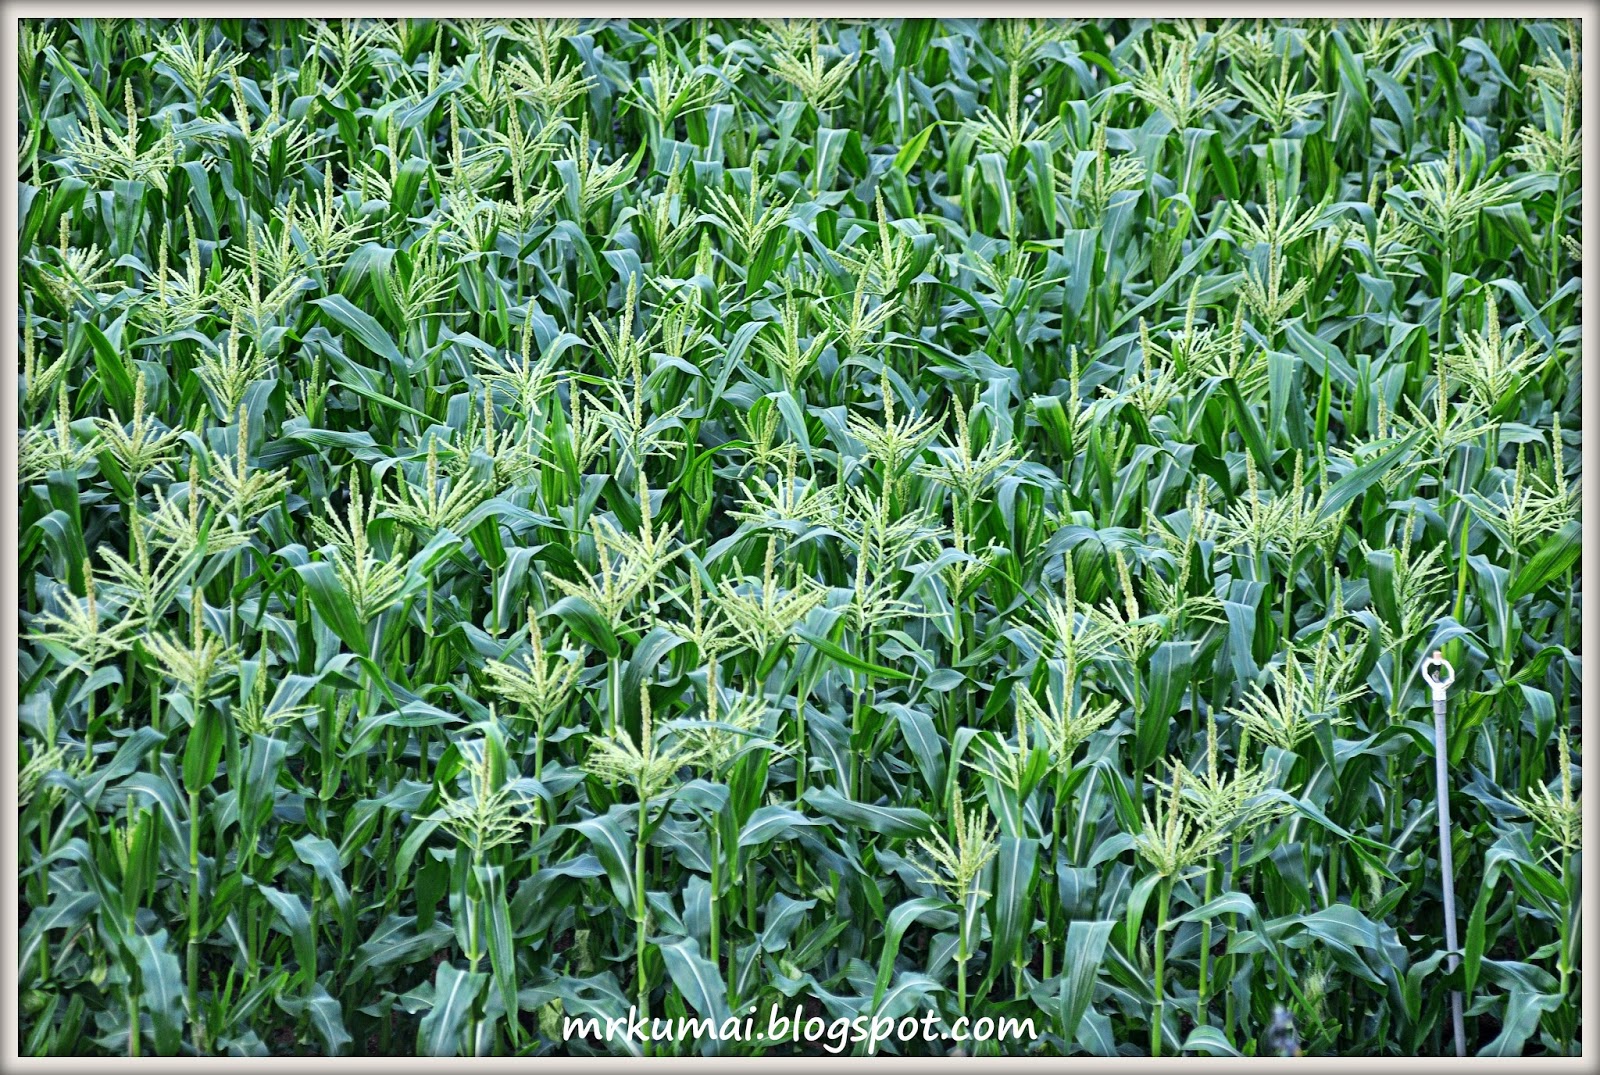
x=528, y=524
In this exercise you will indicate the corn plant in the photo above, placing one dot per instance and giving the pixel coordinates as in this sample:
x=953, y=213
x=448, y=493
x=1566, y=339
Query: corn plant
x=525, y=520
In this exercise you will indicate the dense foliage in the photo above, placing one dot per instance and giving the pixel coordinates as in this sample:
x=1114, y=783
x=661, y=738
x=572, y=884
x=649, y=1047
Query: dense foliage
x=524, y=519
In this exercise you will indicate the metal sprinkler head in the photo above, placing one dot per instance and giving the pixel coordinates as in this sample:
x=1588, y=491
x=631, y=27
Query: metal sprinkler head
x=1281, y=1037
x=1438, y=673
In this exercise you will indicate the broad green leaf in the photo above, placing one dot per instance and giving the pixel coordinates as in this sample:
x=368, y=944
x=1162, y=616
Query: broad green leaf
x=442, y=1030
x=897, y=822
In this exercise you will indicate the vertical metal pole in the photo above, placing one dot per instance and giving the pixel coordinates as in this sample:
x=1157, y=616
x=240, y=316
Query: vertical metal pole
x=1441, y=756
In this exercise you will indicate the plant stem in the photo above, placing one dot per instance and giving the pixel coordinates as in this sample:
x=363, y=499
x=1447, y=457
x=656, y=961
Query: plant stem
x=1555, y=231
x=193, y=953
x=89, y=729
x=640, y=916
x=1444, y=295
x=1232, y=882
x=802, y=763
x=1163, y=895
x=962, y=955
x=134, y=1029
x=716, y=912
x=1288, y=602
x=1564, y=959
x=469, y=907
x=614, y=710
x=857, y=724
x=41, y=887
x=1058, y=847
x=1203, y=997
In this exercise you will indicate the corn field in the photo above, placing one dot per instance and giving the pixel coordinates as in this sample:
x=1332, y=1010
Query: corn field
x=523, y=521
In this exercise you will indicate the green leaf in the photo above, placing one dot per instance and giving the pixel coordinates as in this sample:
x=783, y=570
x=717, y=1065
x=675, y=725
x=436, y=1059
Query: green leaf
x=294, y=918
x=926, y=746
x=115, y=376
x=323, y=858
x=1524, y=1008
x=587, y=624
x=203, y=750
x=161, y=989
x=696, y=978
x=1085, y=951
x=918, y=909
x=373, y=336
x=1557, y=553
x=263, y=762
x=906, y=158
x=772, y=823
x=1011, y=901
x=850, y=660
x=614, y=849
x=1250, y=431
x=1344, y=491
x=1171, y=668
x=329, y=598
x=328, y=1021
x=1209, y=1040
x=896, y=822
x=398, y=941
x=502, y=938
x=454, y=992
